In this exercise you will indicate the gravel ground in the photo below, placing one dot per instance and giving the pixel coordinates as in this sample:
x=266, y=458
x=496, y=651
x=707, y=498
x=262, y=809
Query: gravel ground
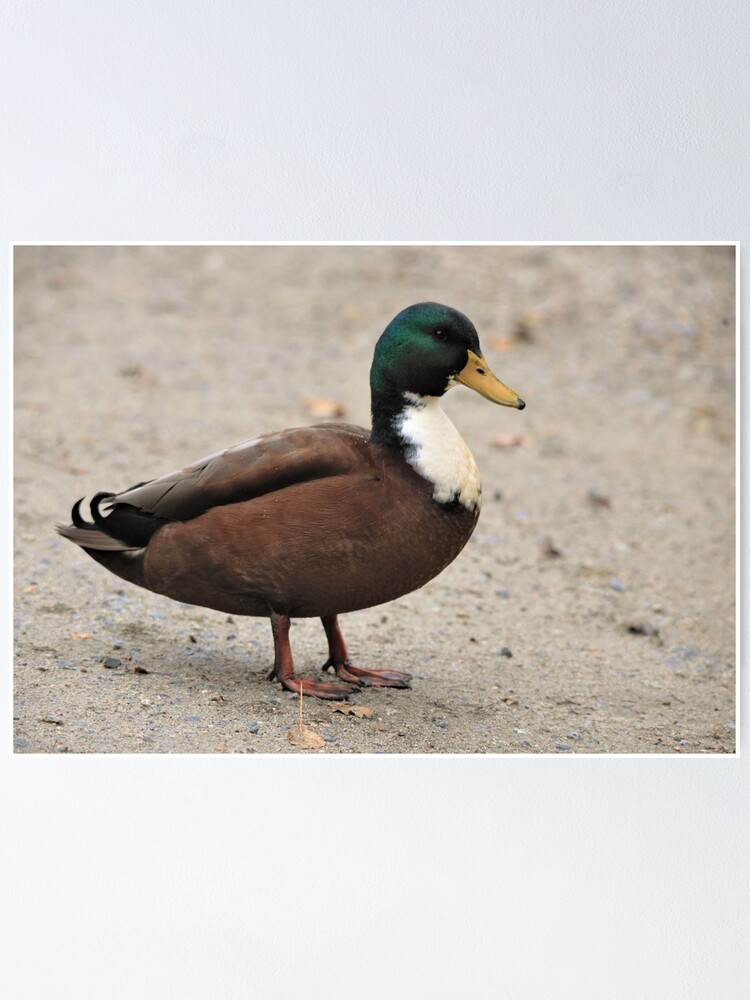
x=593, y=610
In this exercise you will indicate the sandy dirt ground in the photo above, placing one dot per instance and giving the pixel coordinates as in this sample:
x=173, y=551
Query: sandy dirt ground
x=593, y=610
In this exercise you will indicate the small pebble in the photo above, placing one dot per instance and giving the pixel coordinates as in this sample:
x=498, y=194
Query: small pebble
x=111, y=662
x=550, y=550
x=253, y=727
x=56, y=720
x=505, y=651
x=562, y=746
x=598, y=499
x=642, y=628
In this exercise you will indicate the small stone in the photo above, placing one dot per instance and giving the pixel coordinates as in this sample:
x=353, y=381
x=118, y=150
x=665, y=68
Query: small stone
x=502, y=592
x=111, y=662
x=550, y=550
x=598, y=499
x=229, y=620
x=505, y=651
x=253, y=727
x=562, y=746
x=642, y=628
x=523, y=331
x=55, y=720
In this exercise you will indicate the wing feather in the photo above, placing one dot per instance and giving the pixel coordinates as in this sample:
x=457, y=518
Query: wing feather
x=251, y=469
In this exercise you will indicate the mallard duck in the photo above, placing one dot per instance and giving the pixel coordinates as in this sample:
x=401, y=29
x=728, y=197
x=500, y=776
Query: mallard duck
x=317, y=521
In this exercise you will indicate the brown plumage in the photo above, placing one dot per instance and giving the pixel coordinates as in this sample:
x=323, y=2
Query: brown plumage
x=310, y=522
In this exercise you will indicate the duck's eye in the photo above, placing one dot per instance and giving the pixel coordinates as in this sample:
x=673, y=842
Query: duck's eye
x=439, y=334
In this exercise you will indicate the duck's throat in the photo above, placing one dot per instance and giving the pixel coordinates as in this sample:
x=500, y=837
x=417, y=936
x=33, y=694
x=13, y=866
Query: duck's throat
x=435, y=449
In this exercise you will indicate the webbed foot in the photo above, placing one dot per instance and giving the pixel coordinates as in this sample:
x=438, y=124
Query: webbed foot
x=368, y=678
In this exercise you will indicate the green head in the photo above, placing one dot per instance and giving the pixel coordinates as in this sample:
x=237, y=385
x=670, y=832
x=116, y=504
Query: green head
x=425, y=350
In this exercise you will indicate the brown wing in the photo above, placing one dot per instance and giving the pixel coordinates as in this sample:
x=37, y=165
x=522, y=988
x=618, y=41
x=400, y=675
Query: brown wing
x=251, y=469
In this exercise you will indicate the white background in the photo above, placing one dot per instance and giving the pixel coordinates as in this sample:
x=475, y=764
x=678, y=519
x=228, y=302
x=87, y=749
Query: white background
x=424, y=877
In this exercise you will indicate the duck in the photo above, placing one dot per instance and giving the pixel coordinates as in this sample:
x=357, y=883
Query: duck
x=316, y=521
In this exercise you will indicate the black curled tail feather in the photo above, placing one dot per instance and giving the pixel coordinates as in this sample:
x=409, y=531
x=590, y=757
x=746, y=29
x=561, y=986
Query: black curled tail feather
x=77, y=518
x=122, y=529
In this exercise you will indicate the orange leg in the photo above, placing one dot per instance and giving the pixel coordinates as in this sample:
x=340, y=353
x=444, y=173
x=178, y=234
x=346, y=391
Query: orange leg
x=338, y=658
x=283, y=666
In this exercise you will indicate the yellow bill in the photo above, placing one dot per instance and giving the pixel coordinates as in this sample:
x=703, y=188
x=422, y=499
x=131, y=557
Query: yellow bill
x=477, y=376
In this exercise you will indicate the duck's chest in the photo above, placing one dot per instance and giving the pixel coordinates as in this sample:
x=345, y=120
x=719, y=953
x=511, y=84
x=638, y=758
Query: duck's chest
x=434, y=495
x=437, y=452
